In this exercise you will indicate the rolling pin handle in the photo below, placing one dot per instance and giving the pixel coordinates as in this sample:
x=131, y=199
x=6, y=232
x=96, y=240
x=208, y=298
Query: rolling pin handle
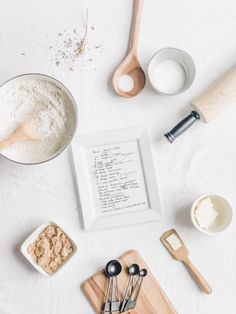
x=182, y=126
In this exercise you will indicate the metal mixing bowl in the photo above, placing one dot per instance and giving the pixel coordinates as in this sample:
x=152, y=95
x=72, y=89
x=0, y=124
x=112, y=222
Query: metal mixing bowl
x=73, y=106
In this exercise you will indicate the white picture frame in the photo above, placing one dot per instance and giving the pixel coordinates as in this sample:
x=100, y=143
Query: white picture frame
x=101, y=209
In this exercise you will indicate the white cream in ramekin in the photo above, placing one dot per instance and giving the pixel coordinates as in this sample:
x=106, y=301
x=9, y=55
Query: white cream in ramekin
x=224, y=216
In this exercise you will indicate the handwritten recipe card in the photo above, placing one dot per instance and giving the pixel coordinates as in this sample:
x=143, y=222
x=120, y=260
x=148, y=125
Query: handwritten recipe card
x=117, y=178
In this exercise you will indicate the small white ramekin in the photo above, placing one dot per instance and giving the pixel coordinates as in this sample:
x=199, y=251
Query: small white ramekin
x=33, y=237
x=179, y=56
x=223, y=220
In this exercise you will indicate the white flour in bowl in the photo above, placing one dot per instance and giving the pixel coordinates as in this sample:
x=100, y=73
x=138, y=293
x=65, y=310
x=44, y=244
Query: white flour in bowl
x=26, y=98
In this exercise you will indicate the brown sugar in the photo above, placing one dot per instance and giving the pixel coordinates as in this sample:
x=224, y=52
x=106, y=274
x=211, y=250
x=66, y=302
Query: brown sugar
x=51, y=248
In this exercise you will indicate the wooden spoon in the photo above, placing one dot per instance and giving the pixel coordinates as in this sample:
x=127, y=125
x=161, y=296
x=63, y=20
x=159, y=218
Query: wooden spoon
x=181, y=254
x=26, y=132
x=130, y=65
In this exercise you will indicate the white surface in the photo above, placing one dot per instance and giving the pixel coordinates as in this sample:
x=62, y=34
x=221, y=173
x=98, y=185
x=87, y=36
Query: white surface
x=34, y=235
x=106, y=161
x=202, y=160
x=174, y=241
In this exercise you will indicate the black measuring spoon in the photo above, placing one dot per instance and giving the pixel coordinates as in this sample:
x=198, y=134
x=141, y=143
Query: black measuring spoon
x=113, y=269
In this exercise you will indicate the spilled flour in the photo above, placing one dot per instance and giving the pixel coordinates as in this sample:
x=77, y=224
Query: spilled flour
x=75, y=49
x=47, y=106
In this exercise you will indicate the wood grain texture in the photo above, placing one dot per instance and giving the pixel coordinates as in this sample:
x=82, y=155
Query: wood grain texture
x=217, y=97
x=197, y=276
x=137, y=14
x=181, y=254
x=130, y=65
x=23, y=133
x=152, y=299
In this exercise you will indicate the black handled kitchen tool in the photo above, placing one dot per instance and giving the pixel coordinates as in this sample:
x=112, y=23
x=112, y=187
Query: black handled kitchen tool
x=214, y=100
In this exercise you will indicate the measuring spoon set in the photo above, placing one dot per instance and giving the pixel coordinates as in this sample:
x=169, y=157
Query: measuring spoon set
x=113, y=302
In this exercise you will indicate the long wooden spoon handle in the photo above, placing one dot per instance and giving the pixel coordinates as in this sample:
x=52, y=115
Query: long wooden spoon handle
x=200, y=280
x=138, y=5
x=6, y=143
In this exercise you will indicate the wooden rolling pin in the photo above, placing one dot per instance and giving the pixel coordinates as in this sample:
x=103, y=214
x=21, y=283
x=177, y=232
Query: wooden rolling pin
x=215, y=99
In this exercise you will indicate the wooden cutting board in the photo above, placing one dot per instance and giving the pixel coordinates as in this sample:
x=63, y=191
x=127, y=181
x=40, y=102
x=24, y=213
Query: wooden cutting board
x=152, y=299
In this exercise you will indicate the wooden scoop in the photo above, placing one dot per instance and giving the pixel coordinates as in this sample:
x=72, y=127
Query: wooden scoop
x=130, y=65
x=129, y=312
x=176, y=247
x=26, y=132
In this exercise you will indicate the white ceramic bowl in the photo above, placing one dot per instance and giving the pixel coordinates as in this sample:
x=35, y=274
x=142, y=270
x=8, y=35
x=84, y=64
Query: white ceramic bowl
x=179, y=56
x=224, y=218
x=39, y=76
x=33, y=237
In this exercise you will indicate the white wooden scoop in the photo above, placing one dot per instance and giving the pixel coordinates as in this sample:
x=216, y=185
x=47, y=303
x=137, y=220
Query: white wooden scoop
x=176, y=247
x=26, y=132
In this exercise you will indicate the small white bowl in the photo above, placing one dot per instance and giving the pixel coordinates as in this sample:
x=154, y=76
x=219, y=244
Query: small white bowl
x=33, y=237
x=180, y=57
x=224, y=218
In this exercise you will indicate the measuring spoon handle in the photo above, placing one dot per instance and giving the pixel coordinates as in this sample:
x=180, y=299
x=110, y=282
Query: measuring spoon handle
x=125, y=295
x=138, y=6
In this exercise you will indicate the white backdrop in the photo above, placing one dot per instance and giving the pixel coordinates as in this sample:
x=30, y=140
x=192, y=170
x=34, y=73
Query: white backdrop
x=203, y=160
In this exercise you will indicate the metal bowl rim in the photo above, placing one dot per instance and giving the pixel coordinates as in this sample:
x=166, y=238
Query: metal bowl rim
x=75, y=111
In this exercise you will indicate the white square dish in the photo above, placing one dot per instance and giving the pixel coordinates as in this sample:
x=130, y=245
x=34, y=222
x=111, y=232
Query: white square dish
x=33, y=237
